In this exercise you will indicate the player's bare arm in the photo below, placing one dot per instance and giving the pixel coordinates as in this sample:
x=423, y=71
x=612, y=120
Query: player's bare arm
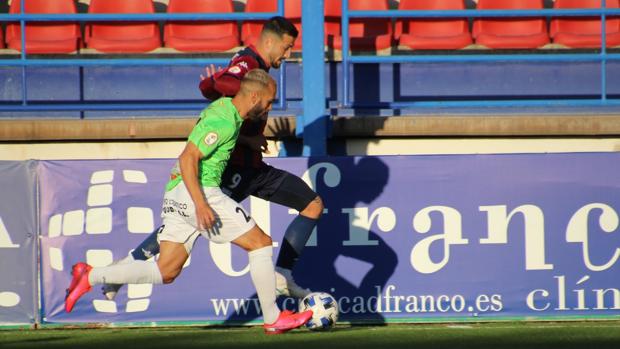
x=188, y=163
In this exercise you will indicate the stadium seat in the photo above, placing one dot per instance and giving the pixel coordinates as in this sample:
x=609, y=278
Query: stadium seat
x=432, y=33
x=511, y=33
x=45, y=37
x=250, y=30
x=122, y=37
x=365, y=34
x=584, y=32
x=205, y=36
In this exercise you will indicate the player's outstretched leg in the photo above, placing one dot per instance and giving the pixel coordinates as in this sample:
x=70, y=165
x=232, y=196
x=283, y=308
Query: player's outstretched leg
x=295, y=239
x=147, y=249
x=84, y=276
x=260, y=253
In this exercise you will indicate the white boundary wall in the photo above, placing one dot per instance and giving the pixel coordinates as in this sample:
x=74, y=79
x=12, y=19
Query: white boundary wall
x=374, y=146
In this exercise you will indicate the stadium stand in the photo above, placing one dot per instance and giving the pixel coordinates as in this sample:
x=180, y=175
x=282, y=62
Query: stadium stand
x=584, y=32
x=122, y=37
x=45, y=37
x=432, y=33
x=402, y=89
x=212, y=36
x=365, y=34
x=511, y=33
x=250, y=30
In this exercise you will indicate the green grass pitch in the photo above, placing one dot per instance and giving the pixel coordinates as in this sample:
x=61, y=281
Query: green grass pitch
x=527, y=335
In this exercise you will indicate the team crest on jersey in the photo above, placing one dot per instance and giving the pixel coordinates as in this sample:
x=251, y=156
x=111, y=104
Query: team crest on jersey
x=211, y=138
x=235, y=70
x=243, y=64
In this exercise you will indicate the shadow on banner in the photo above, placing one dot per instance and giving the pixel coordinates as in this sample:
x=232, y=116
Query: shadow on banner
x=348, y=261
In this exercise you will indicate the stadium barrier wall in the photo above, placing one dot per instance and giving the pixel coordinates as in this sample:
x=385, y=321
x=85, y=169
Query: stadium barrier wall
x=314, y=120
x=173, y=90
x=19, y=302
x=403, y=238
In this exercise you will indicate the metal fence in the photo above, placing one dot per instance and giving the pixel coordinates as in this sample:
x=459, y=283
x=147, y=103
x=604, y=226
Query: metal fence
x=601, y=57
x=24, y=61
x=348, y=59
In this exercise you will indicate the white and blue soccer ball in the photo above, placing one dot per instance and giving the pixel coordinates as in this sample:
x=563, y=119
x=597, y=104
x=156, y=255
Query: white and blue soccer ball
x=324, y=308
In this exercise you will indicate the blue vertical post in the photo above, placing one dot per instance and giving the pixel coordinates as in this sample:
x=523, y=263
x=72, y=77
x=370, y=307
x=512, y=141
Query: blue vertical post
x=282, y=77
x=603, y=54
x=22, y=25
x=345, y=55
x=314, y=109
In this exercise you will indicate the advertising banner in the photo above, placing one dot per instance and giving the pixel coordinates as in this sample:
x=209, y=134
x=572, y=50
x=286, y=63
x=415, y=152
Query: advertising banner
x=402, y=238
x=18, y=242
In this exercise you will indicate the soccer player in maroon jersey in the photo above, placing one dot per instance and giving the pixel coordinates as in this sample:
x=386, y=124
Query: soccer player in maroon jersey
x=246, y=173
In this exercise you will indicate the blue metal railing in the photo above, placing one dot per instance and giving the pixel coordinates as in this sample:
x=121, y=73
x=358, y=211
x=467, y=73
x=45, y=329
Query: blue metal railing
x=25, y=62
x=603, y=56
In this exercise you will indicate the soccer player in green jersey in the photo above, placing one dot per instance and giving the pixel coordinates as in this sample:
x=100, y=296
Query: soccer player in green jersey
x=247, y=174
x=195, y=205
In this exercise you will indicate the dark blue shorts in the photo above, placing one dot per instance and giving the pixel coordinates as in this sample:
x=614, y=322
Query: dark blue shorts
x=267, y=183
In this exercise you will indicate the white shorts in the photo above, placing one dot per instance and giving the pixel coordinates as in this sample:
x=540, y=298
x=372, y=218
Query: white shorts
x=180, y=224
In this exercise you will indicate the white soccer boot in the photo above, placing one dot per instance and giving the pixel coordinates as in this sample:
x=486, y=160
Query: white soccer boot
x=286, y=286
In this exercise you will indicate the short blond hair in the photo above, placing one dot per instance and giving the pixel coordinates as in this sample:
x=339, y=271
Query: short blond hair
x=256, y=80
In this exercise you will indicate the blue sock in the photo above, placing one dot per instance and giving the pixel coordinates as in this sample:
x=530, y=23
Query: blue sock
x=148, y=248
x=295, y=238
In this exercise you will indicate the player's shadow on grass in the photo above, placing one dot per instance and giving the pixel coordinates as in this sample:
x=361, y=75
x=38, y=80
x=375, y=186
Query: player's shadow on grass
x=353, y=269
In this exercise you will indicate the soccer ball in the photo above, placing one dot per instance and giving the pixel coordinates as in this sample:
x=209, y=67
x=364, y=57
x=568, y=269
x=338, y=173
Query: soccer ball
x=324, y=308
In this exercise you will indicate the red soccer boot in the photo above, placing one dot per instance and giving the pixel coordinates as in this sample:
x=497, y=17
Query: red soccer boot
x=287, y=321
x=79, y=285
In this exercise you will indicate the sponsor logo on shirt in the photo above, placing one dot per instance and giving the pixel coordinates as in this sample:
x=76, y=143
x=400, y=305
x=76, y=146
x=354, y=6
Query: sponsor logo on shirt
x=211, y=138
x=234, y=70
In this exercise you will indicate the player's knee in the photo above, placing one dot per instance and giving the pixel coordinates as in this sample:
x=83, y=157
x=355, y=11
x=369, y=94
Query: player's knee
x=259, y=241
x=314, y=209
x=263, y=240
x=167, y=279
x=253, y=240
x=169, y=276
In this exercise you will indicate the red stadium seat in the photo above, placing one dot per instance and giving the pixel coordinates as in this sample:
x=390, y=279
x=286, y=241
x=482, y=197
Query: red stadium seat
x=45, y=37
x=250, y=30
x=584, y=32
x=122, y=37
x=511, y=33
x=365, y=34
x=433, y=33
x=206, y=36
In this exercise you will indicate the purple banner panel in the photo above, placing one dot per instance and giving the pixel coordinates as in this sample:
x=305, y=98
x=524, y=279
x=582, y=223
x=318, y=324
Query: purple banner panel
x=402, y=238
x=18, y=242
